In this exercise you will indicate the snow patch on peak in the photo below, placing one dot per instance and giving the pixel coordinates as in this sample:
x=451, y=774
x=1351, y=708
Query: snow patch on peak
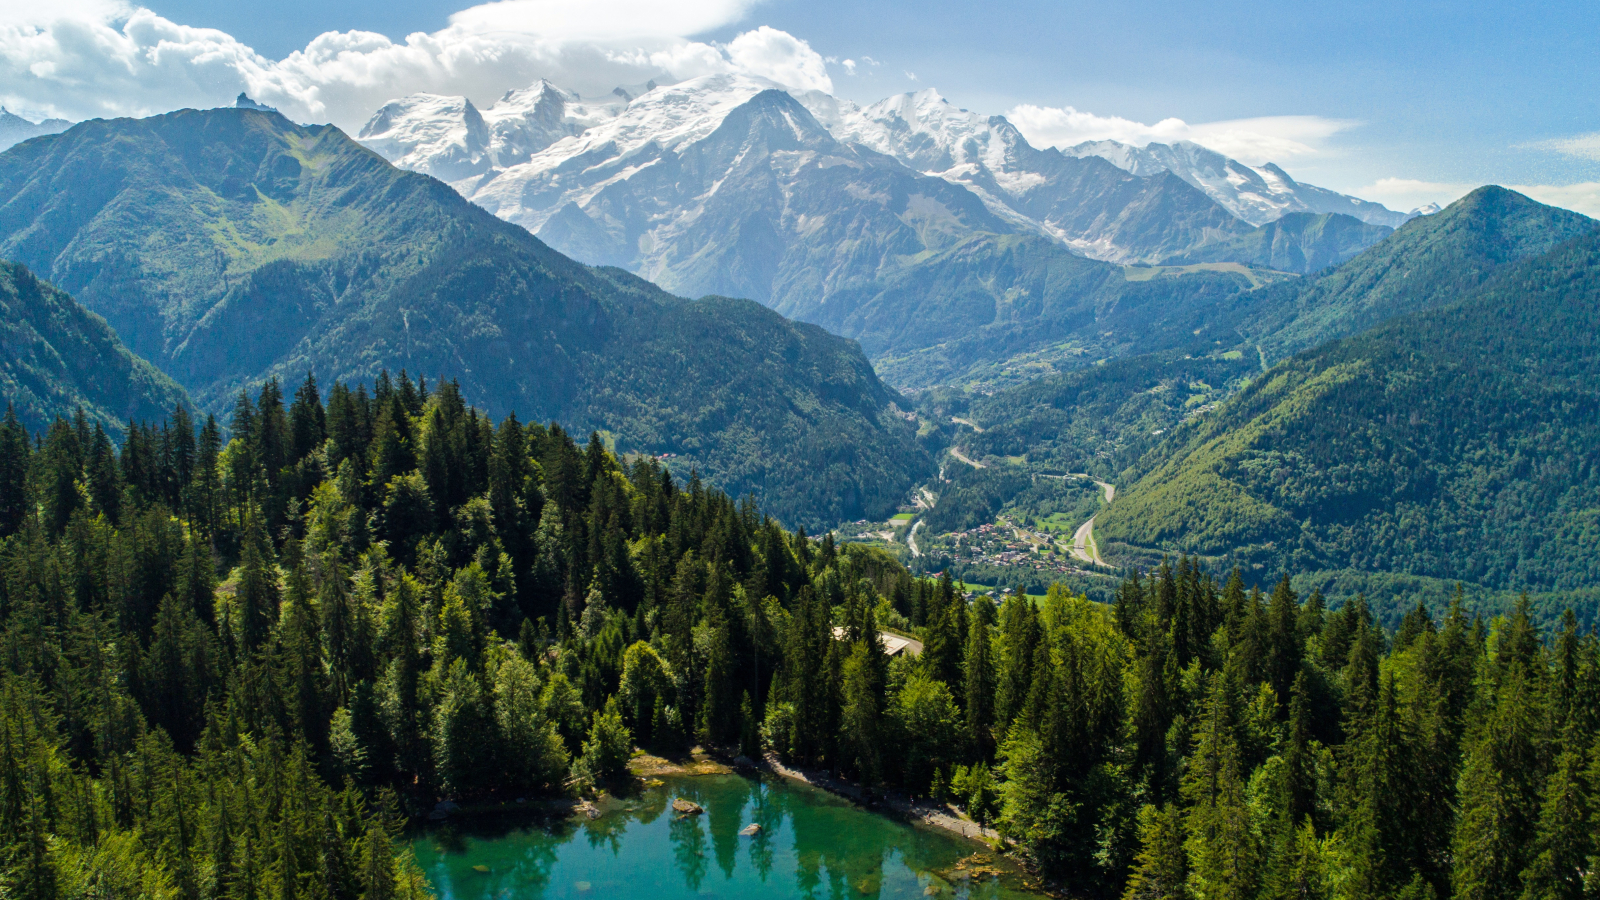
x=448, y=137
x=923, y=130
x=667, y=117
x=443, y=136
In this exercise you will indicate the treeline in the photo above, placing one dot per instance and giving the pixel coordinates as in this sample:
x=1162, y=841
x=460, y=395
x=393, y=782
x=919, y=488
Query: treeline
x=227, y=667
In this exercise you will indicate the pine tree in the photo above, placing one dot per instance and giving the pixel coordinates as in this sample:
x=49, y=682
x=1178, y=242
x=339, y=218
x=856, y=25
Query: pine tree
x=205, y=488
x=861, y=712
x=1564, y=845
x=14, y=452
x=980, y=680
x=1284, y=642
x=1018, y=642
x=718, y=714
x=1161, y=870
x=1224, y=859
x=308, y=424
x=257, y=596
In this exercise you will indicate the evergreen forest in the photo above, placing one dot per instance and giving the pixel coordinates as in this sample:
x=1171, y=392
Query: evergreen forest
x=235, y=670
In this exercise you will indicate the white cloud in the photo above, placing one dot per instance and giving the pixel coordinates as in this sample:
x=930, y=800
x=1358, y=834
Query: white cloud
x=1253, y=141
x=781, y=57
x=849, y=66
x=1583, y=146
x=1409, y=193
x=610, y=20
x=911, y=75
x=1583, y=197
x=86, y=58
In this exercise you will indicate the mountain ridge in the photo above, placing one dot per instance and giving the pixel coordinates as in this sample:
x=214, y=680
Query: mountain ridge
x=1448, y=442
x=59, y=357
x=267, y=249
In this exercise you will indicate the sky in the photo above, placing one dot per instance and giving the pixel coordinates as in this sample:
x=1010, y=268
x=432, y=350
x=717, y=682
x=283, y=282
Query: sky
x=1400, y=102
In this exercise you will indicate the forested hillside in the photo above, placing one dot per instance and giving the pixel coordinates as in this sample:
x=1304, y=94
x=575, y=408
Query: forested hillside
x=1455, y=443
x=1298, y=242
x=225, y=669
x=1101, y=419
x=1050, y=310
x=1431, y=261
x=230, y=246
x=57, y=356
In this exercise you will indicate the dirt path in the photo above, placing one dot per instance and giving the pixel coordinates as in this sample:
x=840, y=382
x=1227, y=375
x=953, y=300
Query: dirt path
x=969, y=423
x=956, y=452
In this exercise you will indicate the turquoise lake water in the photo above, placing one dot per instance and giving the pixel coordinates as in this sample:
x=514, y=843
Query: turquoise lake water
x=811, y=845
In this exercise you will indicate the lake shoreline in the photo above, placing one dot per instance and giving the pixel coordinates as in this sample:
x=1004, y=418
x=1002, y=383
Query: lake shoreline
x=934, y=816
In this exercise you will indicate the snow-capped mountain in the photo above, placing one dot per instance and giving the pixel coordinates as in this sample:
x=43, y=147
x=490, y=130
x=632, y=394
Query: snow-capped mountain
x=1096, y=210
x=448, y=138
x=1256, y=194
x=924, y=231
x=654, y=127
x=502, y=159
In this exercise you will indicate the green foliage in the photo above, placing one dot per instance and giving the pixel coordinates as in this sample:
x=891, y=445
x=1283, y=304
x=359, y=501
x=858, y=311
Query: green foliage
x=59, y=356
x=231, y=247
x=606, y=750
x=1430, y=262
x=1101, y=419
x=1448, y=444
x=1298, y=242
x=1023, y=307
x=169, y=732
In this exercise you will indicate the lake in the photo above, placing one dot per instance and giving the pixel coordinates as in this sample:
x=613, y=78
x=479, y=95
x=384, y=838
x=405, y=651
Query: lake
x=810, y=844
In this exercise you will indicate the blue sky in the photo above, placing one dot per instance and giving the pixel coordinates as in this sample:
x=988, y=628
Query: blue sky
x=1397, y=101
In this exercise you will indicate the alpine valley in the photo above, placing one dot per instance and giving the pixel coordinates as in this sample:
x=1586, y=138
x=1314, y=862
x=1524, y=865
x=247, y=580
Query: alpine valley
x=381, y=514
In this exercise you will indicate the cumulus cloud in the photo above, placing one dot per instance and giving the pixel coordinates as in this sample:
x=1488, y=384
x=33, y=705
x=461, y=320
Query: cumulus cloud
x=1253, y=141
x=1410, y=193
x=781, y=57
x=86, y=58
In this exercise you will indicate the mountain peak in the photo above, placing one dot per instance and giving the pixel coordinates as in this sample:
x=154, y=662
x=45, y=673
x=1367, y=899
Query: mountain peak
x=1256, y=194
x=243, y=101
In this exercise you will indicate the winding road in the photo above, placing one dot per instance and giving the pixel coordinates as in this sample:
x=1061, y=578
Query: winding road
x=1083, y=545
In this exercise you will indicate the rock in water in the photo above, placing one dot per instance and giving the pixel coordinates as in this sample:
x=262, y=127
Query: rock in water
x=751, y=830
x=686, y=807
